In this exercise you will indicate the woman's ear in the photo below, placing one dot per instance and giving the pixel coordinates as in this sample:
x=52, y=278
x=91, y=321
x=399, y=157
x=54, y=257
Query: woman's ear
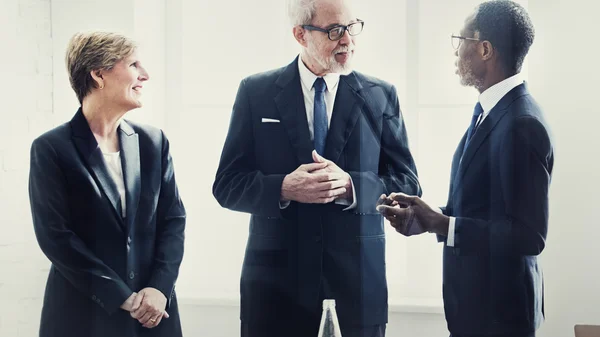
x=98, y=77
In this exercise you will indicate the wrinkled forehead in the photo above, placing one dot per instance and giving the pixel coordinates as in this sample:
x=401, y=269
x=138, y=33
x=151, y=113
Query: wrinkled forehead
x=333, y=12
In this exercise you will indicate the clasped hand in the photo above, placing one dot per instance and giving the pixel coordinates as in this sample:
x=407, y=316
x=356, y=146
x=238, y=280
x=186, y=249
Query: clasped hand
x=147, y=306
x=319, y=182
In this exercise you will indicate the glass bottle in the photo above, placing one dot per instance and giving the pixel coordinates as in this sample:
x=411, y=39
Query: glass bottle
x=329, y=327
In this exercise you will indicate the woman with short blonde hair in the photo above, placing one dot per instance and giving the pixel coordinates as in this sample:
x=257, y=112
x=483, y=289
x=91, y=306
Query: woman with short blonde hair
x=105, y=205
x=93, y=51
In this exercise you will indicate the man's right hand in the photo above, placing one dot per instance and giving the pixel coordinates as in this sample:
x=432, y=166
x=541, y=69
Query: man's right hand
x=313, y=188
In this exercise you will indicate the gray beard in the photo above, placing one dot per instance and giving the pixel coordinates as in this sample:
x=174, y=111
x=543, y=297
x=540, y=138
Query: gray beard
x=329, y=64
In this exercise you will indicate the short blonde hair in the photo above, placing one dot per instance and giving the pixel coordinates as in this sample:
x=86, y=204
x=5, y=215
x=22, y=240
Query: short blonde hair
x=94, y=51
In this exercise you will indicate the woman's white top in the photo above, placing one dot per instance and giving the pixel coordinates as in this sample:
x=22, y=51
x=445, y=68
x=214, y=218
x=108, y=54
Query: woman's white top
x=113, y=161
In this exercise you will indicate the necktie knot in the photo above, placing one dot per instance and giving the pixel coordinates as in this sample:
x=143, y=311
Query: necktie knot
x=319, y=85
x=477, y=111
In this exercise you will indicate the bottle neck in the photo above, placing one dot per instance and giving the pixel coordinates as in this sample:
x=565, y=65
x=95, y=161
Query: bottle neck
x=328, y=304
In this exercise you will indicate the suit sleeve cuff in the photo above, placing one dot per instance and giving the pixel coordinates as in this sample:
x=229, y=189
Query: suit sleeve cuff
x=451, y=232
x=111, y=302
x=165, y=286
x=352, y=203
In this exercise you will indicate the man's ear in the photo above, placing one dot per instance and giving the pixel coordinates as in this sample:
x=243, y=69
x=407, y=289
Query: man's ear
x=300, y=35
x=486, y=50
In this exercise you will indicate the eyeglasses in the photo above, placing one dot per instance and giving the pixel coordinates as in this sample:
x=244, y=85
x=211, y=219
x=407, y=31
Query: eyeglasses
x=337, y=32
x=457, y=40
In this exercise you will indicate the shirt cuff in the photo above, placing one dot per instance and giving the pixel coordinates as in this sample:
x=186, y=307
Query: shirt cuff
x=451, y=226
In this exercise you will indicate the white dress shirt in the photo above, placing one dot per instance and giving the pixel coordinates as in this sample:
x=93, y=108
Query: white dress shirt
x=113, y=162
x=307, y=79
x=488, y=100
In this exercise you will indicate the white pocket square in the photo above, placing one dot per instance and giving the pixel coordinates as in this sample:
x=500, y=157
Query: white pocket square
x=270, y=120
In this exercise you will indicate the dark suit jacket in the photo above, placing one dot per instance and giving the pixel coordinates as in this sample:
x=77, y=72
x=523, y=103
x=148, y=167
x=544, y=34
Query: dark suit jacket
x=492, y=283
x=294, y=253
x=98, y=257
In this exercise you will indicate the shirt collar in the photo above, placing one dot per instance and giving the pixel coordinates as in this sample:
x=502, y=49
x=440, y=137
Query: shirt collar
x=489, y=98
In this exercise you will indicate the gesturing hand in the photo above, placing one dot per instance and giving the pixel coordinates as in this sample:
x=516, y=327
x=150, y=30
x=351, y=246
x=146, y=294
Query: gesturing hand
x=410, y=215
x=401, y=217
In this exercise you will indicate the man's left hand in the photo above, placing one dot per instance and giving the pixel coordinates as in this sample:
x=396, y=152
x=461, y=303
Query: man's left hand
x=332, y=167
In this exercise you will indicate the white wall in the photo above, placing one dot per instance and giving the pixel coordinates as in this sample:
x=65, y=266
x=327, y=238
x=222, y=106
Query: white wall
x=564, y=79
x=26, y=96
x=195, y=69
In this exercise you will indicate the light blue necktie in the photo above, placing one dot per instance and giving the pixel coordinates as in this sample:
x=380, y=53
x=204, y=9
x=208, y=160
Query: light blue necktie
x=320, y=116
x=476, y=113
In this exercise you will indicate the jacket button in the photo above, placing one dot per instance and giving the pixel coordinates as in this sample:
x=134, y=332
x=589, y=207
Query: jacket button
x=131, y=275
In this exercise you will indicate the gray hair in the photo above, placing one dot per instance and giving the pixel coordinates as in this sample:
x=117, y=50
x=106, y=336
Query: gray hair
x=301, y=12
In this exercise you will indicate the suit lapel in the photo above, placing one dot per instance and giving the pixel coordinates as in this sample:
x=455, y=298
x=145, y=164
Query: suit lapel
x=90, y=151
x=290, y=103
x=344, y=116
x=486, y=127
x=456, y=160
x=130, y=160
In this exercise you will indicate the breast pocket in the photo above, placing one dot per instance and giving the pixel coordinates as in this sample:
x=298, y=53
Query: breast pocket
x=271, y=129
x=273, y=149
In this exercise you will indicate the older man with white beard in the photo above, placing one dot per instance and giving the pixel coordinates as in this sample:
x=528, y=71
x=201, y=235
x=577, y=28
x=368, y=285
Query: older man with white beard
x=310, y=148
